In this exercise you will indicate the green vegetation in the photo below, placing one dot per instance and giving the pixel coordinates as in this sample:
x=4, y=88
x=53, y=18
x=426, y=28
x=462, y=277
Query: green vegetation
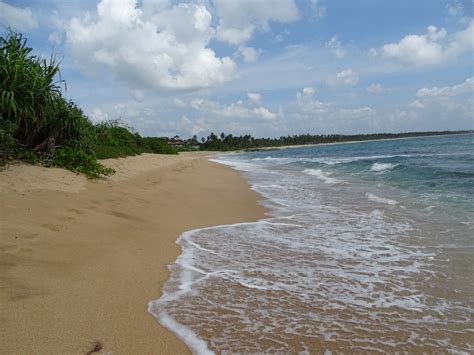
x=114, y=140
x=38, y=125
x=80, y=162
x=225, y=142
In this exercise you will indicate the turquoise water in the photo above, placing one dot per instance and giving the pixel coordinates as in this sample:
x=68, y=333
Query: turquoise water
x=425, y=170
x=366, y=247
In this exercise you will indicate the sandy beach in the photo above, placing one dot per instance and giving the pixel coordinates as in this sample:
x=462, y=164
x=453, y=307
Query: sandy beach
x=80, y=259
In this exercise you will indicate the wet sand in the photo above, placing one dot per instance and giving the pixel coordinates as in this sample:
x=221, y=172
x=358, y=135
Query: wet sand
x=80, y=259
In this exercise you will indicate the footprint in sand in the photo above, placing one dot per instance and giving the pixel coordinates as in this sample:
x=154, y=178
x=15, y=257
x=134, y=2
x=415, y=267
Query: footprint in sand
x=75, y=211
x=51, y=227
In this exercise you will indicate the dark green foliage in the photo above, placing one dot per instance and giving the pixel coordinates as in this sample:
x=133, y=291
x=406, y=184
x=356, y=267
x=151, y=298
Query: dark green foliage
x=157, y=145
x=8, y=144
x=109, y=152
x=31, y=157
x=78, y=161
x=115, y=140
x=33, y=113
x=114, y=133
x=29, y=94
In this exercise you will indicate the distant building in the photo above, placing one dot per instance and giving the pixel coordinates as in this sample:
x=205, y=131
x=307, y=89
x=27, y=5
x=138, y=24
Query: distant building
x=176, y=142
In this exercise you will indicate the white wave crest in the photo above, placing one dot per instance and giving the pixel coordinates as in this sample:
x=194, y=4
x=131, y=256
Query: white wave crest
x=382, y=167
x=378, y=199
x=329, y=160
x=321, y=175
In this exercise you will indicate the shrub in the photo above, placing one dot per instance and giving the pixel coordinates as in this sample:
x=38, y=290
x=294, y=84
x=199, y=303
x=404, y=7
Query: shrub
x=79, y=161
x=115, y=140
x=29, y=94
x=157, y=145
x=8, y=144
x=31, y=157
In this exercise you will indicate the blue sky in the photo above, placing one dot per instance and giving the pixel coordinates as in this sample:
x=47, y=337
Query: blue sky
x=264, y=67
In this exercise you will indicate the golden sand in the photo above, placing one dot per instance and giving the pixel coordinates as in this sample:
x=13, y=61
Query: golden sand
x=80, y=259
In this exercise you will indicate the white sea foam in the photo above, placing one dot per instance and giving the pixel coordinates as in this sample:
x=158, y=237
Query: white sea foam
x=324, y=176
x=325, y=264
x=329, y=160
x=382, y=167
x=378, y=199
x=197, y=345
x=236, y=164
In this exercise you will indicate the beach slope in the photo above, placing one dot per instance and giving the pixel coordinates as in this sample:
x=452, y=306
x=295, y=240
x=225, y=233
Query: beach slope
x=80, y=259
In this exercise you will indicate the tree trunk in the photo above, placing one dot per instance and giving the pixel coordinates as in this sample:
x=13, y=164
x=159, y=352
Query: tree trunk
x=47, y=146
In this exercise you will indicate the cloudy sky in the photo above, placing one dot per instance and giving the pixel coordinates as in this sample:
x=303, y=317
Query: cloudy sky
x=264, y=67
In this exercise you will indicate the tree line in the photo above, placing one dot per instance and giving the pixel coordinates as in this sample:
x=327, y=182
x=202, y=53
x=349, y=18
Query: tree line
x=227, y=142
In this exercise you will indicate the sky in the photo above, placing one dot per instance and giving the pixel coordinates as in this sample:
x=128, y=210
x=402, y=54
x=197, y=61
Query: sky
x=262, y=67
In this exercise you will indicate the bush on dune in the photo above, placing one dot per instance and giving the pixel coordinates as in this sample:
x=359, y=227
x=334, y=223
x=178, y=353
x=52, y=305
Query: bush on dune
x=80, y=162
x=37, y=124
x=157, y=145
x=115, y=140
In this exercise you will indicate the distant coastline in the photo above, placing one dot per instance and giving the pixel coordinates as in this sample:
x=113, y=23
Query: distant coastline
x=357, y=141
x=230, y=142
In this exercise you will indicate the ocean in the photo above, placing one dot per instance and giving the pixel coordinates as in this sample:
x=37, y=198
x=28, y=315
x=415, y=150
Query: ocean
x=367, y=247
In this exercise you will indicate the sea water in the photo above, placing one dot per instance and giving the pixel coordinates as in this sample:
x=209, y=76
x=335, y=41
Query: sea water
x=368, y=247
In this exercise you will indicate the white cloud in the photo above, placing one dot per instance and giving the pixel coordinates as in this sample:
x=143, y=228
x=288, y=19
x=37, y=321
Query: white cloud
x=336, y=47
x=446, y=108
x=156, y=46
x=179, y=103
x=97, y=115
x=309, y=90
x=456, y=10
x=466, y=87
x=17, y=18
x=306, y=103
x=146, y=118
x=55, y=38
x=281, y=36
x=318, y=9
x=441, y=108
x=372, y=53
x=310, y=114
x=434, y=34
x=235, y=35
x=235, y=110
x=254, y=97
x=437, y=108
x=249, y=54
x=416, y=104
x=375, y=88
x=347, y=77
x=239, y=19
x=357, y=112
x=306, y=95
x=264, y=113
x=416, y=49
x=431, y=48
x=461, y=42
x=138, y=95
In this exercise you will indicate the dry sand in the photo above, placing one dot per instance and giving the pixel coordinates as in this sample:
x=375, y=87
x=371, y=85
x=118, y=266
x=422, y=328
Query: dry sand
x=80, y=259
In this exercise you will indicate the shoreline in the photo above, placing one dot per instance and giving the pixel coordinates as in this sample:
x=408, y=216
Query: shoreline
x=347, y=142
x=82, y=258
